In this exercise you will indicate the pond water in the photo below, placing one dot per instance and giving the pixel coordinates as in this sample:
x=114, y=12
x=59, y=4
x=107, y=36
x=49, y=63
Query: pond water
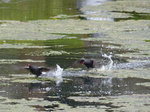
x=56, y=33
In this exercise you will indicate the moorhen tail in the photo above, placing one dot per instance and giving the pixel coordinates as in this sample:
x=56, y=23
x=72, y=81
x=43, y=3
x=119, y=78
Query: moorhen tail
x=37, y=70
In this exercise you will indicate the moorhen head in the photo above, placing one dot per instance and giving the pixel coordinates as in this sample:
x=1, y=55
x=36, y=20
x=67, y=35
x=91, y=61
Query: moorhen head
x=36, y=70
x=87, y=63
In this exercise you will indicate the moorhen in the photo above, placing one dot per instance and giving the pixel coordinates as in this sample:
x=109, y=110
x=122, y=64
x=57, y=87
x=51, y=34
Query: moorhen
x=89, y=63
x=36, y=70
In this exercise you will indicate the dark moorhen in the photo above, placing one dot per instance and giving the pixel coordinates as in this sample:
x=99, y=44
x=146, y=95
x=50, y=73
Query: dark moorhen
x=89, y=63
x=36, y=70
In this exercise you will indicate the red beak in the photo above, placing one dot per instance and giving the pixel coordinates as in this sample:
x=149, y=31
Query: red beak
x=82, y=63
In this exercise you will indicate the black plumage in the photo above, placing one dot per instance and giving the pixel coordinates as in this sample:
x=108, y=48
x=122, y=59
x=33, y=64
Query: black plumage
x=89, y=63
x=37, y=70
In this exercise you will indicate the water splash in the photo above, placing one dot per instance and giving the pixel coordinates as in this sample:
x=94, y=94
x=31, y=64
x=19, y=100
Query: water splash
x=58, y=74
x=130, y=65
x=109, y=65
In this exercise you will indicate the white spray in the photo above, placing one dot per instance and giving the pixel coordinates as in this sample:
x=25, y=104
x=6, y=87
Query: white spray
x=58, y=74
x=109, y=64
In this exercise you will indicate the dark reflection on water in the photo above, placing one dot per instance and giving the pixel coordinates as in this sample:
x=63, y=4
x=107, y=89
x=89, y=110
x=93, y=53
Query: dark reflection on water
x=26, y=10
x=77, y=87
x=84, y=86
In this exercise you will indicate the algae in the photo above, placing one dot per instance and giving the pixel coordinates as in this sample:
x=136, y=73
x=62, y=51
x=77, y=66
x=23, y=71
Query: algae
x=25, y=78
x=144, y=84
x=127, y=33
x=111, y=103
x=12, y=61
x=47, y=53
x=147, y=40
x=23, y=105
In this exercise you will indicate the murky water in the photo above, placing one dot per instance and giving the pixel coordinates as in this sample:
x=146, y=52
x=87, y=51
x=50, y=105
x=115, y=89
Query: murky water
x=55, y=33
